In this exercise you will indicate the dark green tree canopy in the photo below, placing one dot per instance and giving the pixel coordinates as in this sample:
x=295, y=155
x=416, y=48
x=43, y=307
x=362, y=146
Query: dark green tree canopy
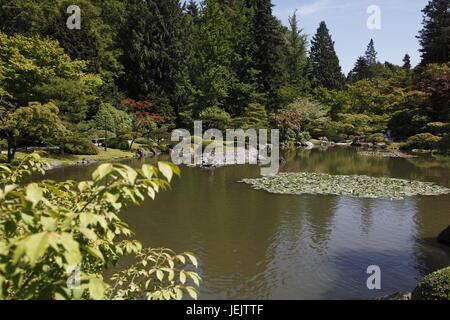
x=326, y=69
x=435, y=35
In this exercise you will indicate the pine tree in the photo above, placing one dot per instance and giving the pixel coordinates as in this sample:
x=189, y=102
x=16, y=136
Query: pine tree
x=371, y=53
x=360, y=71
x=435, y=35
x=296, y=56
x=268, y=52
x=153, y=43
x=326, y=69
x=407, y=62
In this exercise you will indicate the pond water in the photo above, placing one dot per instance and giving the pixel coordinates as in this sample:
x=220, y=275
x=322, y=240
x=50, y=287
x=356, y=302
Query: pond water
x=255, y=245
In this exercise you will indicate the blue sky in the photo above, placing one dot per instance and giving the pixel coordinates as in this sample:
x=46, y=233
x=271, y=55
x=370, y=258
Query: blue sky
x=347, y=21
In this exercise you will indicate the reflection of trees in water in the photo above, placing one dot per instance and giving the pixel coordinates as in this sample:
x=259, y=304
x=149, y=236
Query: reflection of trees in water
x=366, y=212
x=319, y=213
x=432, y=217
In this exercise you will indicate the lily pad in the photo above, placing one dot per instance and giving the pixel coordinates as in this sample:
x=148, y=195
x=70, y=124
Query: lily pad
x=352, y=186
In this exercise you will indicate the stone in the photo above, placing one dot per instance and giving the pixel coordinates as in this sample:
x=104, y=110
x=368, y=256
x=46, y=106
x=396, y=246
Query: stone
x=56, y=164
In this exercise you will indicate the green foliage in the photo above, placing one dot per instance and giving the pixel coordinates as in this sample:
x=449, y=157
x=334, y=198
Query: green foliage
x=435, y=286
x=153, y=42
x=434, y=37
x=297, y=61
x=376, y=138
x=425, y=141
x=35, y=124
x=326, y=69
x=215, y=118
x=312, y=113
x=157, y=276
x=304, y=137
x=79, y=146
x=437, y=128
x=112, y=119
x=48, y=229
x=254, y=117
x=120, y=143
x=443, y=145
x=269, y=43
x=30, y=65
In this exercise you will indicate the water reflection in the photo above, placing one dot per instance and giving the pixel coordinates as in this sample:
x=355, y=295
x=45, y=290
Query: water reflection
x=256, y=245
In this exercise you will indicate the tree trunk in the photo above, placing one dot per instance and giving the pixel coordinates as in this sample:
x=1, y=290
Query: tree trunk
x=11, y=149
x=131, y=144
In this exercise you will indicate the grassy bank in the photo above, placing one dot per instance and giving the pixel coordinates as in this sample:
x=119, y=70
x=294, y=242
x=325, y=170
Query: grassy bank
x=70, y=159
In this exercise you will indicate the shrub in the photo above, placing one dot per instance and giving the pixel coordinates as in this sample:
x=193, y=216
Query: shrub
x=444, y=144
x=437, y=128
x=304, y=136
x=3, y=144
x=142, y=140
x=425, y=141
x=435, y=286
x=80, y=146
x=376, y=138
x=126, y=136
x=118, y=143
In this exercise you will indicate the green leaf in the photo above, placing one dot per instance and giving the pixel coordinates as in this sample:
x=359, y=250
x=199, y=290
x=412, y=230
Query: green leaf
x=97, y=289
x=88, y=233
x=34, y=194
x=102, y=171
x=96, y=253
x=148, y=171
x=159, y=275
x=192, y=292
x=166, y=170
x=35, y=246
x=182, y=277
x=193, y=259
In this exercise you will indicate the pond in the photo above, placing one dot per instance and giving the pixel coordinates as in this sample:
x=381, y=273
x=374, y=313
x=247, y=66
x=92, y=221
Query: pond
x=255, y=245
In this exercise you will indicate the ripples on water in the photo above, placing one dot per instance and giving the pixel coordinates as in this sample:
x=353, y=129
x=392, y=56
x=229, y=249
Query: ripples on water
x=256, y=245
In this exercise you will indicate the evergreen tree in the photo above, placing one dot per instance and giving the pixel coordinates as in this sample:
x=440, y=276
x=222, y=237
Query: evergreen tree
x=326, y=69
x=435, y=35
x=210, y=68
x=371, y=54
x=244, y=90
x=407, y=62
x=153, y=43
x=268, y=52
x=296, y=55
x=360, y=71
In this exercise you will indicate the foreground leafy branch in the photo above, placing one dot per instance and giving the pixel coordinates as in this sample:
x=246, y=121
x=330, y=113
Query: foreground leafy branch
x=57, y=238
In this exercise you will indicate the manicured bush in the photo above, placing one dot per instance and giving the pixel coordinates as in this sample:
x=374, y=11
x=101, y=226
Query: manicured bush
x=126, y=136
x=80, y=146
x=437, y=128
x=118, y=143
x=435, y=286
x=142, y=140
x=376, y=138
x=425, y=141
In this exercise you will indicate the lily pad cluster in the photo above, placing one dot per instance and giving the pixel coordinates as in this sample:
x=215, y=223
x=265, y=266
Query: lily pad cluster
x=353, y=186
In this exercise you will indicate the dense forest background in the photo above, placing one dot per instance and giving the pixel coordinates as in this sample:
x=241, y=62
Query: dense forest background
x=142, y=68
